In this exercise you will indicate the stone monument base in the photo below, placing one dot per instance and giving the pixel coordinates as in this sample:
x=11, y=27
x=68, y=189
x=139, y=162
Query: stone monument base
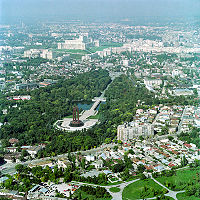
x=77, y=123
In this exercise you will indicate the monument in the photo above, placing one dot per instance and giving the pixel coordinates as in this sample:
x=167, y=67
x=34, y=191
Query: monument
x=76, y=122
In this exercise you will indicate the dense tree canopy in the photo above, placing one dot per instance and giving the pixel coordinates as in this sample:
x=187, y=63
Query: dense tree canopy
x=31, y=121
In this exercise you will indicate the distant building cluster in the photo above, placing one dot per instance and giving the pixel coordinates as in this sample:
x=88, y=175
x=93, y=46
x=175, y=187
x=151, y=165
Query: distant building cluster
x=182, y=92
x=157, y=46
x=43, y=53
x=30, y=86
x=152, y=82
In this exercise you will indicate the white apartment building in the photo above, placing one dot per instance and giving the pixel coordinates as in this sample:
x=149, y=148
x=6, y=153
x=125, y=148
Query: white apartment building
x=129, y=131
x=35, y=53
x=152, y=82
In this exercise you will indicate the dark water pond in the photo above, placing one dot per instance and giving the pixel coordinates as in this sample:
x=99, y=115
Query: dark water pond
x=87, y=105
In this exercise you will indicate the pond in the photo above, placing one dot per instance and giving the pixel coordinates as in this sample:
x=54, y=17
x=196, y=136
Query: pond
x=84, y=105
x=87, y=105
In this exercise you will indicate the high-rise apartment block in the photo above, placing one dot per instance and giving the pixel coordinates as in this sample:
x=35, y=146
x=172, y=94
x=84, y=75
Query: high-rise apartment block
x=132, y=130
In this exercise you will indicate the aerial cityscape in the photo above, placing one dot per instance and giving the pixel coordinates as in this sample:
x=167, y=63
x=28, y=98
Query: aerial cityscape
x=100, y=99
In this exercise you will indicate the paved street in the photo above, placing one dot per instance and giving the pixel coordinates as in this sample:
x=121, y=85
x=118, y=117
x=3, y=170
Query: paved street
x=10, y=167
x=118, y=195
x=170, y=193
x=115, y=195
x=181, y=121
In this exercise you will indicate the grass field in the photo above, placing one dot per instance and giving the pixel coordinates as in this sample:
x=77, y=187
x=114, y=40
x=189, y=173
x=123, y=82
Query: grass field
x=94, y=116
x=114, y=189
x=85, y=195
x=131, y=178
x=71, y=51
x=74, y=53
x=104, y=46
x=69, y=116
x=108, y=184
x=179, y=181
x=182, y=196
x=142, y=189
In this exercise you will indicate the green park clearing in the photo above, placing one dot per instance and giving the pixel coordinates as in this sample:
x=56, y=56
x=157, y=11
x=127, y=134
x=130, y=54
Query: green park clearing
x=179, y=181
x=142, y=189
x=114, y=189
x=183, y=196
x=104, y=46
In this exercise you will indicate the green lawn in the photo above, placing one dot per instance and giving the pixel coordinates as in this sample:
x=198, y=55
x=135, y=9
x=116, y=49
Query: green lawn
x=85, y=195
x=182, y=196
x=180, y=180
x=131, y=178
x=78, y=51
x=69, y=116
x=115, y=183
x=142, y=189
x=76, y=56
x=74, y=53
x=80, y=194
x=104, y=46
x=94, y=116
x=94, y=49
x=114, y=179
x=114, y=189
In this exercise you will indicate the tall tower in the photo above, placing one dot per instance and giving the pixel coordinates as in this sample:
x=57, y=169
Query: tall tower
x=76, y=122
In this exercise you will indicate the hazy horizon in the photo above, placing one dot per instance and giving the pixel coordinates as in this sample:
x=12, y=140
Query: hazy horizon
x=51, y=10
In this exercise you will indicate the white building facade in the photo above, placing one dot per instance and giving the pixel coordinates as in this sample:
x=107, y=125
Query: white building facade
x=132, y=130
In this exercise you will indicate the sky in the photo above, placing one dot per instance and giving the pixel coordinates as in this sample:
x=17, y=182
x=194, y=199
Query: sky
x=27, y=10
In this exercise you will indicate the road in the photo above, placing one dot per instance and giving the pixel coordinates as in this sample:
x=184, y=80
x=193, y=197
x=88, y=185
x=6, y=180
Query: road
x=115, y=195
x=10, y=167
x=118, y=195
x=170, y=193
x=134, y=82
x=180, y=124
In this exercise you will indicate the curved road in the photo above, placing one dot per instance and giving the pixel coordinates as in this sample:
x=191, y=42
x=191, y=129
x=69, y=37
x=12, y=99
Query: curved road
x=170, y=193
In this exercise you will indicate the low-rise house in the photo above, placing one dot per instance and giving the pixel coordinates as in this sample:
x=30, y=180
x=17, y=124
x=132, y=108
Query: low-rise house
x=3, y=179
x=63, y=162
x=12, y=157
x=149, y=167
x=98, y=164
x=11, y=149
x=171, y=165
x=34, y=150
x=158, y=168
x=90, y=158
x=13, y=141
x=188, y=146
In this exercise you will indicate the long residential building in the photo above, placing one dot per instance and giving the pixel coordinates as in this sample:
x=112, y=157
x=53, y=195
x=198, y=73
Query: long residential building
x=132, y=130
